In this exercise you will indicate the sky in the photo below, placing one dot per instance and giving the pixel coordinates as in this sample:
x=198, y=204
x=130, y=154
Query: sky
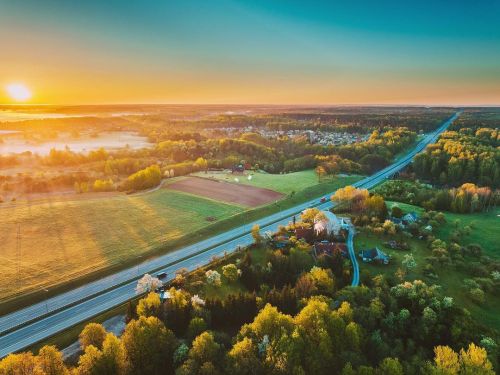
x=252, y=52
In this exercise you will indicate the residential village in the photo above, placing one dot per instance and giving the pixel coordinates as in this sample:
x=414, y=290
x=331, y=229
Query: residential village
x=319, y=137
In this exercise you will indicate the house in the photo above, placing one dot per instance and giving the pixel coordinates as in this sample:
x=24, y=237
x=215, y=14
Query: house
x=280, y=241
x=374, y=255
x=396, y=245
x=239, y=168
x=327, y=222
x=409, y=218
x=305, y=232
x=329, y=248
x=397, y=221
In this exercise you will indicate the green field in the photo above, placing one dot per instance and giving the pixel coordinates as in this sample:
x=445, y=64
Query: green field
x=450, y=279
x=283, y=183
x=66, y=243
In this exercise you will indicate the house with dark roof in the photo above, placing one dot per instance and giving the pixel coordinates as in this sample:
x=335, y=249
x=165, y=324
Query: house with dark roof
x=305, y=232
x=374, y=255
x=280, y=241
x=238, y=168
x=330, y=249
x=409, y=218
x=397, y=221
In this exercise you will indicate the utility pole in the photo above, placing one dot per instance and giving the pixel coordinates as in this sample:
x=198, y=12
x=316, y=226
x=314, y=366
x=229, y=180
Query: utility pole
x=18, y=255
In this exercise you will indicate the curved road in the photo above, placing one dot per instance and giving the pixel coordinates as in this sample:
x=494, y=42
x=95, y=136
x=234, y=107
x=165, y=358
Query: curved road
x=44, y=319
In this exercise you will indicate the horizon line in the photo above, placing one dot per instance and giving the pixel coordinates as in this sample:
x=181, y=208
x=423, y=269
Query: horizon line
x=462, y=105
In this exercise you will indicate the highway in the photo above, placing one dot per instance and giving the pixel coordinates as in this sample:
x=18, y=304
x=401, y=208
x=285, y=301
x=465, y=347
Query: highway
x=44, y=319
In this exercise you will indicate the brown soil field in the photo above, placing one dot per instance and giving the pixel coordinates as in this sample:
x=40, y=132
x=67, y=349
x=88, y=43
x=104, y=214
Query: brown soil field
x=243, y=195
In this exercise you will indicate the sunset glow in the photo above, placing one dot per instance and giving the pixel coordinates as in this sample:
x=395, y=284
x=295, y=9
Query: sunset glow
x=246, y=52
x=18, y=92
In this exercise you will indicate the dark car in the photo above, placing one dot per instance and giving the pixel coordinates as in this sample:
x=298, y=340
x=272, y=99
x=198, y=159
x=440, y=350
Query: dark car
x=161, y=275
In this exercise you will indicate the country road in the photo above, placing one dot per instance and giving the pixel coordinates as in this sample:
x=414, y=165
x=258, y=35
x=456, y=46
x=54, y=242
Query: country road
x=44, y=319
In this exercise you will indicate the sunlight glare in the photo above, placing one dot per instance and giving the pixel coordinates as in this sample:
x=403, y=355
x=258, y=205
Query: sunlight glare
x=18, y=92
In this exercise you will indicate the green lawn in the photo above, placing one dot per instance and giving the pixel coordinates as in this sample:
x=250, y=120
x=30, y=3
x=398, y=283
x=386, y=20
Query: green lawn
x=485, y=230
x=283, y=183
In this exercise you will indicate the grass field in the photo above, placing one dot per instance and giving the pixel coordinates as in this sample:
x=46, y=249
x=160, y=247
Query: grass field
x=65, y=240
x=66, y=243
x=484, y=232
x=283, y=183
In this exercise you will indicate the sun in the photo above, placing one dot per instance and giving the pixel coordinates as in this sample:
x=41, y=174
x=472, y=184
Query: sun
x=18, y=92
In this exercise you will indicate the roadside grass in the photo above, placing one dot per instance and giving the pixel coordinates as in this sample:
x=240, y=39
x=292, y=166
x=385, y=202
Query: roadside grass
x=65, y=244
x=449, y=278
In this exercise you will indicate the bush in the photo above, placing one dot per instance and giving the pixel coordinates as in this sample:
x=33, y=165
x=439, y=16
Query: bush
x=143, y=179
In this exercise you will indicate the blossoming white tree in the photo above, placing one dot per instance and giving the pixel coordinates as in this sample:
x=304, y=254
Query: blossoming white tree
x=147, y=283
x=197, y=301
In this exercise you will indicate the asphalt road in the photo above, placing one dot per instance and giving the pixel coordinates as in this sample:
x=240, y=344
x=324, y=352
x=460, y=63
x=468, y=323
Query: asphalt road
x=44, y=319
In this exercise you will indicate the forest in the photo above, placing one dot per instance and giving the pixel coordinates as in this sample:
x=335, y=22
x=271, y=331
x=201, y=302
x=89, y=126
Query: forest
x=467, y=152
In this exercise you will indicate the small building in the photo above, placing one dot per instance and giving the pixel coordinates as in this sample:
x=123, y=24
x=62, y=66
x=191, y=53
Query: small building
x=409, y=218
x=330, y=249
x=305, y=232
x=397, y=221
x=280, y=241
x=328, y=223
x=238, y=168
x=374, y=255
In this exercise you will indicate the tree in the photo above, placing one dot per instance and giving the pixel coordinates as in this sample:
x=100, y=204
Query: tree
x=177, y=310
x=202, y=355
x=472, y=361
x=113, y=356
x=320, y=172
x=408, y=262
x=243, y=359
x=201, y=164
x=196, y=326
x=90, y=361
x=308, y=215
x=147, y=283
x=93, y=334
x=257, y=238
x=149, y=346
x=446, y=360
x=389, y=227
x=323, y=280
x=397, y=212
x=18, y=364
x=390, y=366
x=143, y=179
x=213, y=277
x=50, y=361
x=230, y=272
x=149, y=305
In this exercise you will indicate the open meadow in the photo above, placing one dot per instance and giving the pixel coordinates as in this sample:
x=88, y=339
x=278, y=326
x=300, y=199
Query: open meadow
x=61, y=241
